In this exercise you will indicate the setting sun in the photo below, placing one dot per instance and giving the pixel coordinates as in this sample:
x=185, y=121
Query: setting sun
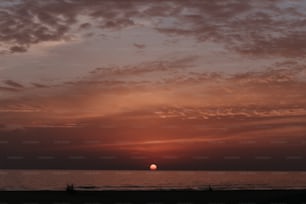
x=153, y=167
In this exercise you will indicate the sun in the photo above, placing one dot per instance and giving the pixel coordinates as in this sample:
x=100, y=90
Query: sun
x=153, y=167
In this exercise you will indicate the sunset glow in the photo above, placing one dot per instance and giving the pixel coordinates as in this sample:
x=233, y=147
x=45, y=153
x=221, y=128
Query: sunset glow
x=116, y=84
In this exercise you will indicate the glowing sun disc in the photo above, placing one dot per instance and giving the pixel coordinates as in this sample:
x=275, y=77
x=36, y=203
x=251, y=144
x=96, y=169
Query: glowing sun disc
x=153, y=167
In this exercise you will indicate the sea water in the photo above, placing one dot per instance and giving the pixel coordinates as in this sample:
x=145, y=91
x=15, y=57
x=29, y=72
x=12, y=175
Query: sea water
x=149, y=180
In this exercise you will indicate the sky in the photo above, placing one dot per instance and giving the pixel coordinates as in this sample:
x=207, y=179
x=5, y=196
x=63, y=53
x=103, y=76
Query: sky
x=186, y=84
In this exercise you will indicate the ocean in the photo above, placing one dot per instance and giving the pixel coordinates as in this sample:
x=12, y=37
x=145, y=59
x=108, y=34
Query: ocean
x=149, y=180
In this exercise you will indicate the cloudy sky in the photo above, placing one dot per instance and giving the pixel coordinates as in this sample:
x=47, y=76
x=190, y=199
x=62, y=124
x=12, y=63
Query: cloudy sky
x=118, y=84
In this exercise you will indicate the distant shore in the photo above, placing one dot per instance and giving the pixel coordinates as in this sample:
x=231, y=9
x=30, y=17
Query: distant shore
x=164, y=196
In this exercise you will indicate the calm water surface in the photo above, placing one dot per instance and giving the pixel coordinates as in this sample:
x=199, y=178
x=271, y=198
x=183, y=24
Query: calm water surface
x=148, y=180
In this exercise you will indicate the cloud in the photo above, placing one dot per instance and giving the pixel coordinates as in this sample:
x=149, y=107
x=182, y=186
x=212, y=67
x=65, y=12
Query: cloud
x=9, y=89
x=25, y=23
x=37, y=85
x=85, y=25
x=290, y=45
x=139, y=46
x=117, y=24
x=272, y=76
x=248, y=27
x=13, y=84
x=255, y=28
x=162, y=65
x=278, y=74
x=187, y=92
x=18, y=49
x=230, y=112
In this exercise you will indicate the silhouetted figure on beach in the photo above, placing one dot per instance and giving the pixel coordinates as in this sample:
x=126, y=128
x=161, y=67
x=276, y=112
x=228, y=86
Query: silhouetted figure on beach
x=70, y=188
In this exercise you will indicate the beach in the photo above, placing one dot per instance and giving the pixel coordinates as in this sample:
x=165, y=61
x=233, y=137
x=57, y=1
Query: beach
x=168, y=196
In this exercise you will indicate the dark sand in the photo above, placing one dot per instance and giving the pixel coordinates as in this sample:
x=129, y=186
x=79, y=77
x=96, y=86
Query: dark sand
x=125, y=197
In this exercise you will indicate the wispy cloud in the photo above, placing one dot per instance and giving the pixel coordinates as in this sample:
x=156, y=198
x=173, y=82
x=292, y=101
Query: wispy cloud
x=107, y=92
x=37, y=85
x=162, y=65
x=139, y=46
x=9, y=89
x=13, y=84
